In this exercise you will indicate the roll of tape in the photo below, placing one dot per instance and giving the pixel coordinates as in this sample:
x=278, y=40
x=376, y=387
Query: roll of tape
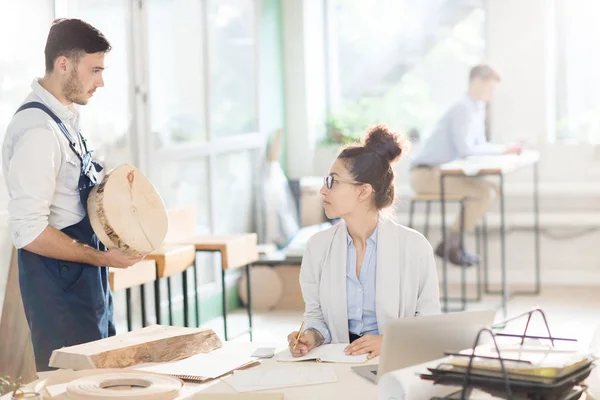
x=131, y=385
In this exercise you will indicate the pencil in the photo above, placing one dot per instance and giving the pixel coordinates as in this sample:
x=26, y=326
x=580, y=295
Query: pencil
x=299, y=334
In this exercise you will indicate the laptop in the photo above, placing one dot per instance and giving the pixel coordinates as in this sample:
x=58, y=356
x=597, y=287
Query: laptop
x=412, y=341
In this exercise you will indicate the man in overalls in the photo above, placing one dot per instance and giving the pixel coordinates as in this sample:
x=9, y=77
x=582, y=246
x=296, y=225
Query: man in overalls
x=49, y=173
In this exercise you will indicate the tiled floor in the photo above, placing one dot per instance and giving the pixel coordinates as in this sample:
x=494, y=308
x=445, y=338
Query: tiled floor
x=571, y=312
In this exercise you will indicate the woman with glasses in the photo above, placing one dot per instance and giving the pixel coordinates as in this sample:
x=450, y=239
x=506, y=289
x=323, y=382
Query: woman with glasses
x=366, y=270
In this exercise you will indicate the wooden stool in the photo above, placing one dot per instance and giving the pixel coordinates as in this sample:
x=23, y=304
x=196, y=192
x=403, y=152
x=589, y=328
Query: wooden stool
x=428, y=199
x=136, y=275
x=238, y=250
x=170, y=260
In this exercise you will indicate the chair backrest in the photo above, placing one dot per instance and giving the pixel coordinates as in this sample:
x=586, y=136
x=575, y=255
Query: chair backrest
x=182, y=224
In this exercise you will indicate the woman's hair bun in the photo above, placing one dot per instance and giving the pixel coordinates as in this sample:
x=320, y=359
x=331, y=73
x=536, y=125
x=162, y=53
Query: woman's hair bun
x=381, y=140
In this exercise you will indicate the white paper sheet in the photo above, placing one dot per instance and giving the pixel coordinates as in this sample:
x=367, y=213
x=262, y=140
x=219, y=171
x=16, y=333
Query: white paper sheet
x=264, y=379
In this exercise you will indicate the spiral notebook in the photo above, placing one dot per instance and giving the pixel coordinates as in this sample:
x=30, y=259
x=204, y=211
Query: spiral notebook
x=203, y=367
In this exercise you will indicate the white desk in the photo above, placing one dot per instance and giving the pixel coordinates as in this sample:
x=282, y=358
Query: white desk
x=490, y=165
x=348, y=386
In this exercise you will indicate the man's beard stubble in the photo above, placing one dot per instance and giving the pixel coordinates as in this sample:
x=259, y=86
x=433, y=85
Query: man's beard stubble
x=73, y=89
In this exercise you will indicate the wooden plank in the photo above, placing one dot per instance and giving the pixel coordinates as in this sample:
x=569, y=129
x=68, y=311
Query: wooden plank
x=237, y=250
x=155, y=343
x=172, y=259
x=16, y=350
x=138, y=274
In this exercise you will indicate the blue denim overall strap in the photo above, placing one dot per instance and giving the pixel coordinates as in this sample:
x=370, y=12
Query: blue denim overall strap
x=66, y=303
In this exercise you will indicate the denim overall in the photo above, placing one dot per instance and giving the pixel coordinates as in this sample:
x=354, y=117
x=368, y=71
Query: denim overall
x=66, y=303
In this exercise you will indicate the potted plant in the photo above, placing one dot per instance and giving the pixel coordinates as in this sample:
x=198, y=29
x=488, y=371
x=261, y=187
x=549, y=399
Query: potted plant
x=337, y=135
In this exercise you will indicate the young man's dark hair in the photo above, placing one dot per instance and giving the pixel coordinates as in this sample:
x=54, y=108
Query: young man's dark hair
x=71, y=37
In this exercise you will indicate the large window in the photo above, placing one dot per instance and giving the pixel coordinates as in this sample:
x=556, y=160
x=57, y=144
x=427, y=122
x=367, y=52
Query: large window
x=577, y=66
x=202, y=107
x=176, y=72
x=232, y=66
x=399, y=62
x=107, y=120
x=20, y=60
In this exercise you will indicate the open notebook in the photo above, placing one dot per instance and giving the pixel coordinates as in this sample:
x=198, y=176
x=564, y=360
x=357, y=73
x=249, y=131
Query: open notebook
x=333, y=353
x=203, y=367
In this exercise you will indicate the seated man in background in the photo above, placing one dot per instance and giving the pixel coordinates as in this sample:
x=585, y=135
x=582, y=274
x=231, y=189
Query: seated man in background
x=458, y=134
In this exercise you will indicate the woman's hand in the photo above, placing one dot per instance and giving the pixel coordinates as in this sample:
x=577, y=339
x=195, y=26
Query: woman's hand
x=370, y=344
x=308, y=341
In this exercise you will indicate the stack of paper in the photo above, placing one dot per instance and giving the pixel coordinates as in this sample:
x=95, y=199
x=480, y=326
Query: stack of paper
x=536, y=361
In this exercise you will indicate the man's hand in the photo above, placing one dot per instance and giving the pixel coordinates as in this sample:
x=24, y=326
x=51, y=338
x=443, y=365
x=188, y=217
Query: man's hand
x=308, y=341
x=114, y=258
x=370, y=344
x=53, y=243
x=514, y=148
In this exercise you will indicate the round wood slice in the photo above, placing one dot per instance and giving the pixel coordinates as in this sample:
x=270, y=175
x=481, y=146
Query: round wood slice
x=265, y=286
x=127, y=212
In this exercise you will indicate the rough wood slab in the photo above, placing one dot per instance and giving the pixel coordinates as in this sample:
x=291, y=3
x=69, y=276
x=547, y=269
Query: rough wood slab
x=155, y=343
x=137, y=274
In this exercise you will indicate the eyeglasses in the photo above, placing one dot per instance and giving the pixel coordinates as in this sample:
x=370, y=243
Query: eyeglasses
x=330, y=180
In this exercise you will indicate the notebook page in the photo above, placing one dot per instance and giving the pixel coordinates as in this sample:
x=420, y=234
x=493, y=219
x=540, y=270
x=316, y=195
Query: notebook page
x=286, y=356
x=335, y=353
x=201, y=365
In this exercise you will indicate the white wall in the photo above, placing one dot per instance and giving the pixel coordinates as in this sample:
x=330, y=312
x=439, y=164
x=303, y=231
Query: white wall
x=516, y=44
